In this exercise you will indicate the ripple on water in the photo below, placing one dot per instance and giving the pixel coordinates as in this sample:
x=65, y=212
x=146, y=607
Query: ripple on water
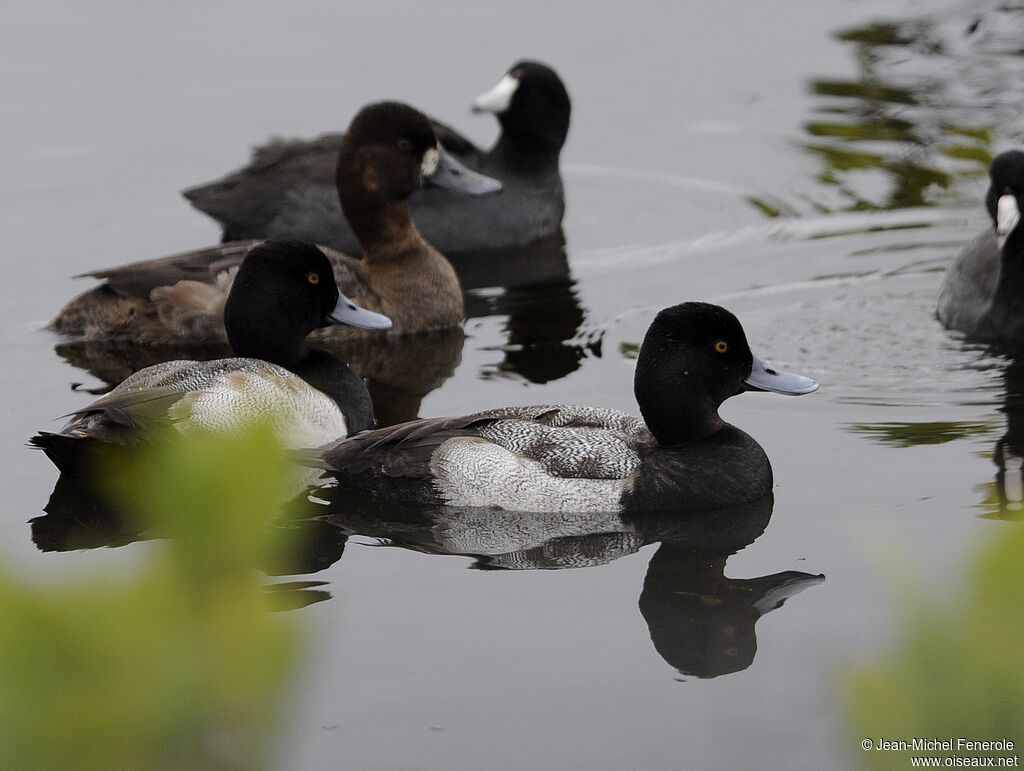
x=849, y=300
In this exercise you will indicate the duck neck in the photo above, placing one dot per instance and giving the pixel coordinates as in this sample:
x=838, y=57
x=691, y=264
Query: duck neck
x=533, y=153
x=268, y=329
x=1009, y=292
x=384, y=228
x=410, y=278
x=683, y=566
x=672, y=424
x=674, y=413
x=333, y=377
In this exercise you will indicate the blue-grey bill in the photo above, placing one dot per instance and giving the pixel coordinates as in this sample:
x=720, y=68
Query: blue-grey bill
x=347, y=312
x=450, y=173
x=764, y=377
x=778, y=594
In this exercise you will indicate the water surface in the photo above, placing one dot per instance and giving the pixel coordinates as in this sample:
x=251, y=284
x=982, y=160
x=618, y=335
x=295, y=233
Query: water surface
x=813, y=171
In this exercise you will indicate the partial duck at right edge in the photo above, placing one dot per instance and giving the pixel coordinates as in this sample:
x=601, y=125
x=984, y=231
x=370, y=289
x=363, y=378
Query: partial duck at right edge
x=982, y=293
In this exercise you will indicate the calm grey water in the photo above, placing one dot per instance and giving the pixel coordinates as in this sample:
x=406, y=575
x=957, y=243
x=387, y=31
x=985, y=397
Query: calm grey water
x=814, y=171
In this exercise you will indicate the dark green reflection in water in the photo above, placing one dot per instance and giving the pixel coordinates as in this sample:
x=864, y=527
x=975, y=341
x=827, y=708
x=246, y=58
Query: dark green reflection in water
x=995, y=504
x=1003, y=497
x=931, y=97
x=914, y=434
x=629, y=350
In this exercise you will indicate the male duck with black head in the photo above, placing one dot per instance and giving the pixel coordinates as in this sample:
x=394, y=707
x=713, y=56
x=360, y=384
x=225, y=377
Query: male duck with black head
x=680, y=456
x=287, y=188
x=982, y=293
x=283, y=291
x=390, y=149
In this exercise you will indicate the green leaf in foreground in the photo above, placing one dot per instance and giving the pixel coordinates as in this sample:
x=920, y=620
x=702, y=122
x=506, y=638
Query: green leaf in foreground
x=959, y=671
x=177, y=664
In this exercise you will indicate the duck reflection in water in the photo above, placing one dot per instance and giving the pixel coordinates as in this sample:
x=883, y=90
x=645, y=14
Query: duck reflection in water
x=81, y=515
x=533, y=287
x=400, y=372
x=700, y=621
x=1007, y=499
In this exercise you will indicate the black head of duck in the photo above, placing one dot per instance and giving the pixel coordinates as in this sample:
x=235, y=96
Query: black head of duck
x=1004, y=198
x=533, y=107
x=694, y=357
x=282, y=292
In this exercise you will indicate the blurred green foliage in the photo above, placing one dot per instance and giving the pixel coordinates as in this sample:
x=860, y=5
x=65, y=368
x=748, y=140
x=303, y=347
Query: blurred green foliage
x=176, y=664
x=959, y=671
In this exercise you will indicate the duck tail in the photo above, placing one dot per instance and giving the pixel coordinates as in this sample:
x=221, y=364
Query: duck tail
x=66, y=451
x=310, y=458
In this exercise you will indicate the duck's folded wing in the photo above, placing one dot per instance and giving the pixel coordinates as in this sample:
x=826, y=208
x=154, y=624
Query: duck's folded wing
x=317, y=157
x=400, y=451
x=117, y=419
x=406, y=447
x=310, y=210
x=221, y=396
x=574, y=416
x=522, y=465
x=512, y=452
x=124, y=416
x=139, y=279
x=143, y=402
x=247, y=199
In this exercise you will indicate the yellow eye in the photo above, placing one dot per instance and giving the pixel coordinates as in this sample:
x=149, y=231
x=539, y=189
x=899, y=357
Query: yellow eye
x=721, y=346
x=313, y=278
x=404, y=145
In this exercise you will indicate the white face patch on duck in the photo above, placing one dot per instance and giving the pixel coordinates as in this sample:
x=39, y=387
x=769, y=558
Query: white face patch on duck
x=431, y=160
x=498, y=98
x=1007, y=218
